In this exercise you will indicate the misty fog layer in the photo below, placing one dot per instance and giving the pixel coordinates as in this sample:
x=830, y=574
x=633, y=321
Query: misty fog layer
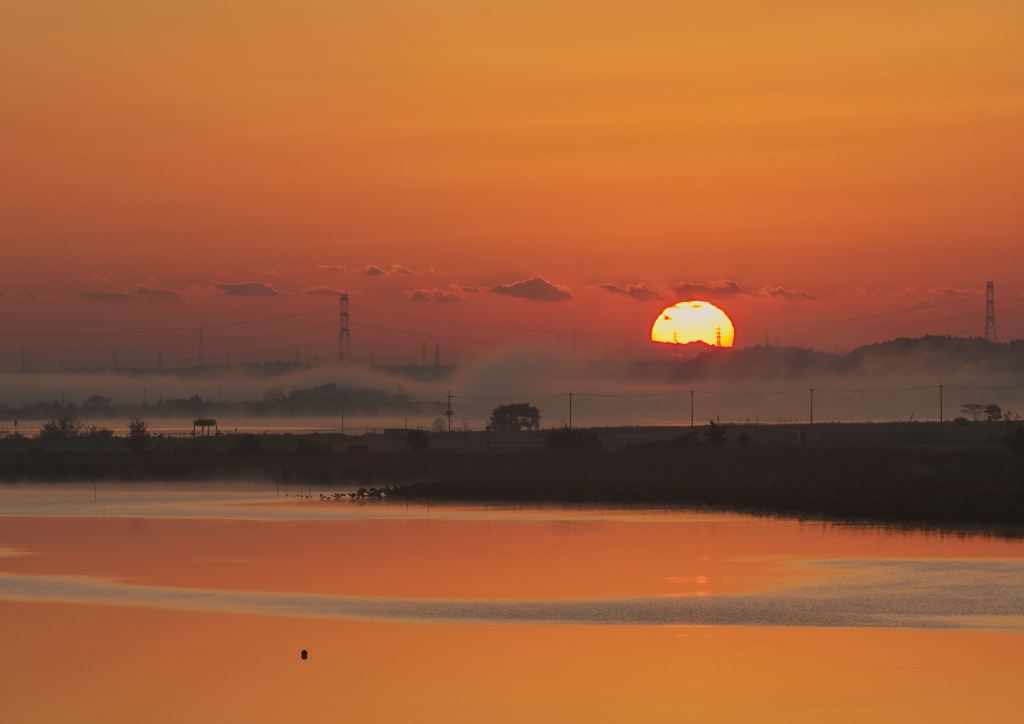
x=899, y=380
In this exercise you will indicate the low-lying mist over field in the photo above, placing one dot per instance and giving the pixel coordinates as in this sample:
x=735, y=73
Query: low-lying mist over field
x=898, y=380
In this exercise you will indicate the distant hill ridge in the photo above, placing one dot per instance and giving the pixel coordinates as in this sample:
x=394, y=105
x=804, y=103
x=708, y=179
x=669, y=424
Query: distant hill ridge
x=922, y=355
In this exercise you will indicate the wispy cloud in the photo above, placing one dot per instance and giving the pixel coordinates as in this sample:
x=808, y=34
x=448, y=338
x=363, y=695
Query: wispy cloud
x=789, y=295
x=638, y=292
x=106, y=296
x=536, y=289
x=721, y=288
x=924, y=298
x=437, y=296
x=371, y=270
x=321, y=291
x=953, y=292
x=141, y=293
x=248, y=289
x=158, y=294
x=441, y=295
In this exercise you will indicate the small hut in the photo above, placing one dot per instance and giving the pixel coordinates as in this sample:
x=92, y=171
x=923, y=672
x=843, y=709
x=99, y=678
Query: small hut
x=204, y=426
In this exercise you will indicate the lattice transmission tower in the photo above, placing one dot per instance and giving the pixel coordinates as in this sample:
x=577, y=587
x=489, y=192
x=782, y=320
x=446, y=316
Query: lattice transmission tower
x=344, y=333
x=990, y=312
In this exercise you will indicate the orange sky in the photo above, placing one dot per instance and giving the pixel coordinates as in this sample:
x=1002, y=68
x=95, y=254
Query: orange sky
x=860, y=154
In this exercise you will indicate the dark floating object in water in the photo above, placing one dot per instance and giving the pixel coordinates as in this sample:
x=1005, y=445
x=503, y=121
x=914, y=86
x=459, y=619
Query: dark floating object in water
x=304, y=654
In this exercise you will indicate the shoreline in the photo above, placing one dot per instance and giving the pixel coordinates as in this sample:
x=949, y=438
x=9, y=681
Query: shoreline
x=918, y=480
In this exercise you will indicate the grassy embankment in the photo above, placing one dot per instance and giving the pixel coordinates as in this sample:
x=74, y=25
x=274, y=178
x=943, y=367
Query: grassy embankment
x=935, y=484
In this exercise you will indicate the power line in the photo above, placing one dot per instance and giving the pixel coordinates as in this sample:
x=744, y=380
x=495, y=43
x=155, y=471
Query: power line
x=858, y=318
x=411, y=334
x=168, y=330
x=457, y=323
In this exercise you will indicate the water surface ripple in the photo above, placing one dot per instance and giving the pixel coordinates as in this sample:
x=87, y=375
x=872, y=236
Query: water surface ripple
x=947, y=594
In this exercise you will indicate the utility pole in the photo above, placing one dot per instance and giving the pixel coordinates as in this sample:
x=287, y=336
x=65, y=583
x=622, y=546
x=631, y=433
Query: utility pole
x=449, y=412
x=990, y=312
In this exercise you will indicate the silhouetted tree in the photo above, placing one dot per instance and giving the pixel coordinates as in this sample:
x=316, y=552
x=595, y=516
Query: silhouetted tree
x=514, y=417
x=138, y=433
x=992, y=412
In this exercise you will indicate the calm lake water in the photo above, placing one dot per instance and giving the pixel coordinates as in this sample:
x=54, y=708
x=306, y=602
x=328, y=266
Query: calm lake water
x=193, y=605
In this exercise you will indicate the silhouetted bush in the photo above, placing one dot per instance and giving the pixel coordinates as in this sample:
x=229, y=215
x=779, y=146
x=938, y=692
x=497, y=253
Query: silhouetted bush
x=60, y=428
x=95, y=431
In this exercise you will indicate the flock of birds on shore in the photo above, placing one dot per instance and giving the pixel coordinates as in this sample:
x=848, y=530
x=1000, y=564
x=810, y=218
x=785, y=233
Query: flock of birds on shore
x=359, y=494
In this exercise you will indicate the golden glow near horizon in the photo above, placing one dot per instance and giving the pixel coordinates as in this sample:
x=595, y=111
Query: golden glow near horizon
x=694, y=321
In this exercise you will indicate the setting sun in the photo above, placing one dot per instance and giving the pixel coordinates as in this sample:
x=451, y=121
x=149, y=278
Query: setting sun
x=693, y=321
